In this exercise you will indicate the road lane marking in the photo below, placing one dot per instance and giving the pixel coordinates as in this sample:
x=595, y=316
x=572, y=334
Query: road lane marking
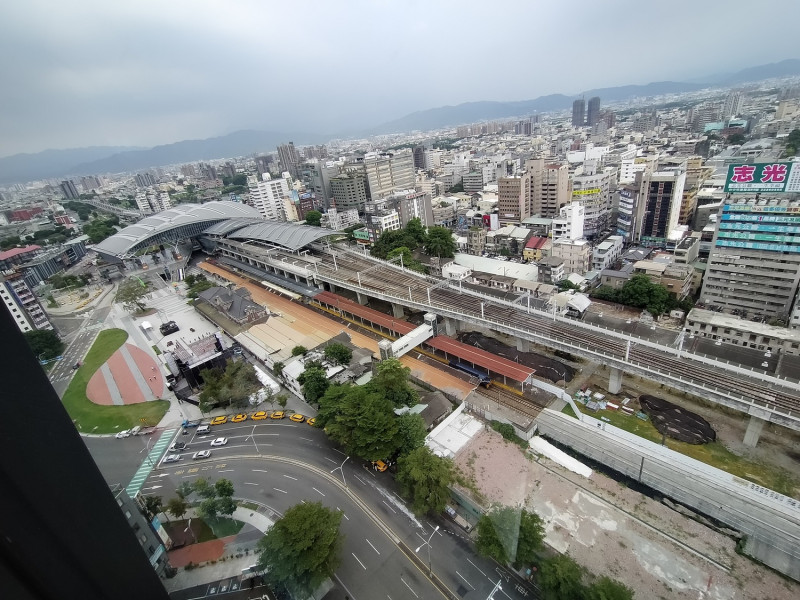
x=281, y=491
x=343, y=513
x=361, y=480
x=250, y=483
x=306, y=439
x=260, y=471
x=290, y=477
x=478, y=568
x=228, y=471
x=409, y=587
x=359, y=562
x=465, y=580
x=316, y=490
x=373, y=547
x=390, y=508
x=333, y=461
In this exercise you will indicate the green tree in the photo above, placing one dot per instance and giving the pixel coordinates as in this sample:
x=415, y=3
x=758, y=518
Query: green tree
x=531, y=538
x=409, y=262
x=605, y=292
x=338, y=354
x=184, y=490
x=301, y=549
x=152, y=506
x=277, y=368
x=226, y=505
x=231, y=387
x=793, y=142
x=223, y=487
x=314, y=217
x=736, y=138
x=440, y=242
x=208, y=508
x=389, y=240
x=44, y=343
x=177, y=507
x=365, y=424
x=130, y=293
x=560, y=578
x=299, y=350
x=425, y=479
x=203, y=488
x=415, y=229
x=412, y=432
x=391, y=380
x=488, y=542
x=331, y=402
x=314, y=381
x=606, y=588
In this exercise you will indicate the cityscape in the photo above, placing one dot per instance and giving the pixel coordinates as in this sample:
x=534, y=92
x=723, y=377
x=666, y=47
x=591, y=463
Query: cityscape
x=496, y=349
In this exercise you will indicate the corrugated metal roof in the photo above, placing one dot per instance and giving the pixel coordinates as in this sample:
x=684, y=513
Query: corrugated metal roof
x=288, y=235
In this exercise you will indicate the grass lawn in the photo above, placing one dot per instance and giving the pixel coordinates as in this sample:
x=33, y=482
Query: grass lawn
x=223, y=526
x=93, y=418
x=714, y=454
x=204, y=530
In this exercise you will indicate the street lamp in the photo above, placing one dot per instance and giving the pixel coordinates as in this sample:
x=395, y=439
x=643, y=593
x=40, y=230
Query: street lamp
x=428, y=543
x=339, y=468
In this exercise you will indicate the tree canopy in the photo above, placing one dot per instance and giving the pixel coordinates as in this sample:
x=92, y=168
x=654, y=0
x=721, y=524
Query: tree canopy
x=130, y=293
x=314, y=217
x=639, y=291
x=231, y=387
x=440, y=242
x=412, y=432
x=391, y=381
x=606, y=588
x=44, y=343
x=409, y=262
x=425, y=479
x=510, y=534
x=302, y=548
x=793, y=142
x=338, y=354
x=314, y=381
x=560, y=578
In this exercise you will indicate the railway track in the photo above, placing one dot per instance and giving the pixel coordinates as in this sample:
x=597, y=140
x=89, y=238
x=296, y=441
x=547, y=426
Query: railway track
x=392, y=281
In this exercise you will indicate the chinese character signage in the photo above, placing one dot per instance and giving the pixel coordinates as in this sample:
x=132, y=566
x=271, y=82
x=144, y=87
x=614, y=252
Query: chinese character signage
x=762, y=178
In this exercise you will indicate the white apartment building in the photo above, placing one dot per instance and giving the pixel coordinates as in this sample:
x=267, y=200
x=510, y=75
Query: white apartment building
x=593, y=191
x=388, y=172
x=337, y=220
x=569, y=224
x=607, y=252
x=378, y=223
x=267, y=196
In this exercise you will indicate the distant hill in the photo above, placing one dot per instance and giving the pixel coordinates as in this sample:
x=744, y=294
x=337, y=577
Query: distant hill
x=239, y=143
x=51, y=163
x=470, y=112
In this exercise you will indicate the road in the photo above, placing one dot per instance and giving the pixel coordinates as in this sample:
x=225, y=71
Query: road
x=280, y=463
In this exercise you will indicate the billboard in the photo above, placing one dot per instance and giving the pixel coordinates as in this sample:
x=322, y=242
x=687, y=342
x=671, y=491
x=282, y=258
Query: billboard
x=757, y=178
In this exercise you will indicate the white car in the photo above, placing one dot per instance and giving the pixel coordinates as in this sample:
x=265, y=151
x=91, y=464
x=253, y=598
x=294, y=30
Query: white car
x=123, y=434
x=219, y=442
x=172, y=458
x=177, y=447
x=201, y=454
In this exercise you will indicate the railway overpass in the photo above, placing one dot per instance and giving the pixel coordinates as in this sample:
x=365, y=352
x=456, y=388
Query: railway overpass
x=762, y=396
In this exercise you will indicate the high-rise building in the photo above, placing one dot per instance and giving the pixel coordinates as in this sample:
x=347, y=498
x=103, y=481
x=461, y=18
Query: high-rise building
x=144, y=180
x=750, y=267
x=267, y=196
x=593, y=192
x=349, y=190
x=387, y=172
x=419, y=157
x=411, y=204
x=22, y=303
x=578, y=113
x=549, y=187
x=321, y=175
x=659, y=205
x=514, y=198
x=733, y=105
x=593, y=111
x=69, y=190
x=289, y=158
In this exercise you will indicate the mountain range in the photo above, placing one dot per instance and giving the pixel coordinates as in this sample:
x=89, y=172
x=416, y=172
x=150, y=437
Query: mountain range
x=110, y=159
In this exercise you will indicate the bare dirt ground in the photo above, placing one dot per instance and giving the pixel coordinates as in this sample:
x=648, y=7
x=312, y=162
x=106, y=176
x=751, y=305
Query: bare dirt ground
x=613, y=530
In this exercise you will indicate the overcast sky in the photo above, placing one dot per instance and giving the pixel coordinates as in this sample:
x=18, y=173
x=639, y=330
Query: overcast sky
x=146, y=72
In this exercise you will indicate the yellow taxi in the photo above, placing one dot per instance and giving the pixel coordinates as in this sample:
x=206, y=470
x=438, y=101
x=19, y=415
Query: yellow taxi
x=380, y=465
x=297, y=418
x=219, y=420
x=259, y=416
x=312, y=421
x=239, y=418
x=278, y=414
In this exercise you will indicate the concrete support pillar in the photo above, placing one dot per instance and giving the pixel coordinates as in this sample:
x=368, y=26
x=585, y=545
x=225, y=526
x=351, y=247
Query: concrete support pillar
x=450, y=326
x=397, y=311
x=523, y=345
x=362, y=298
x=332, y=288
x=614, y=380
x=753, y=432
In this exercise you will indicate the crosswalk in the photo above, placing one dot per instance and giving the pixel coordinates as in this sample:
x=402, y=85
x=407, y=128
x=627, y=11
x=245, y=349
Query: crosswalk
x=149, y=463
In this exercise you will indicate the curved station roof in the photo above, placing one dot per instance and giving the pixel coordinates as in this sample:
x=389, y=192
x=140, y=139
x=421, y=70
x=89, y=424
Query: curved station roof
x=218, y=218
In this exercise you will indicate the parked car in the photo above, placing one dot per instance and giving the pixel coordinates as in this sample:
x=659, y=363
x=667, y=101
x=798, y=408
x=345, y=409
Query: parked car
x=219, y=420
x=278, y=414
x=239, y=418
x=201, y=454
x=312, y=421
x=297, y=418
x=380, y=465
x=260, y=415
x=219, y=442
x=123, y=434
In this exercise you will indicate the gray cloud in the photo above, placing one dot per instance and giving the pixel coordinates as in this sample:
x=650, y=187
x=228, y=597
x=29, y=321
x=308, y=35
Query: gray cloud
x=145, y=72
